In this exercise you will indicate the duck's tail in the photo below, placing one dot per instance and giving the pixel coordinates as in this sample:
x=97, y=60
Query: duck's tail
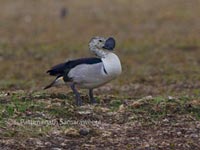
x=58, y=81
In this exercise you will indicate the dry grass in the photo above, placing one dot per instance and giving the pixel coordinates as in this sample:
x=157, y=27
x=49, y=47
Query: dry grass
x=159, y=46
x=157, y=41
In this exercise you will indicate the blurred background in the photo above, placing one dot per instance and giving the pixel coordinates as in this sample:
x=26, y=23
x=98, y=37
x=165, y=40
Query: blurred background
x=158, y=42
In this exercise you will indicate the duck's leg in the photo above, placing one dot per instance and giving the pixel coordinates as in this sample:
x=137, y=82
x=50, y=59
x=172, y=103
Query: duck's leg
x=77, y=95
x=92, y=99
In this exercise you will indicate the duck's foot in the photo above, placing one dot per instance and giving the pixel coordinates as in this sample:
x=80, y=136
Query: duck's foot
x=92, y=99
x=77, y=95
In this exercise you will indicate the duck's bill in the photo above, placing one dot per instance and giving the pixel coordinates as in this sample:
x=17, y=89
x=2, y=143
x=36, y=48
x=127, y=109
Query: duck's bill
x=109, y=44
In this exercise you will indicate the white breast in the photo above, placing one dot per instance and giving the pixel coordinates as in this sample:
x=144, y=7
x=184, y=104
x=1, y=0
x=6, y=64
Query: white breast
x=95, y=75
x=112, y=65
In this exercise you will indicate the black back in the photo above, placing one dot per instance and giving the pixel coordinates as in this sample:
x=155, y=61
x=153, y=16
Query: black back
x=64, y=68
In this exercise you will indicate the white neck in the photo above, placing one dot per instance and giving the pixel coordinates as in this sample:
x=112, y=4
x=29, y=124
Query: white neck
x=99, y=52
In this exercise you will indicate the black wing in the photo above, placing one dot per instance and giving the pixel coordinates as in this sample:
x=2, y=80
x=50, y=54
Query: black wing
x=64, y=68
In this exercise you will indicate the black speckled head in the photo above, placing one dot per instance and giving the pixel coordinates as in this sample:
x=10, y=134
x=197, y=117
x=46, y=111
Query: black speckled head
x=109, y=44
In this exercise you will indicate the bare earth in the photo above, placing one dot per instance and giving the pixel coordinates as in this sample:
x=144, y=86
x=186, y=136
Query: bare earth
x=154, y=104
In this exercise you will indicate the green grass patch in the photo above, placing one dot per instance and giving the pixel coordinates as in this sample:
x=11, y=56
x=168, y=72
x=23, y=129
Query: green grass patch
x=160, y=107
x=114, y=104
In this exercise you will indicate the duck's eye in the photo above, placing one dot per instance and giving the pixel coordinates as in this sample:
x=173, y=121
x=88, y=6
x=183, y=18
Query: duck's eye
x=100, y=40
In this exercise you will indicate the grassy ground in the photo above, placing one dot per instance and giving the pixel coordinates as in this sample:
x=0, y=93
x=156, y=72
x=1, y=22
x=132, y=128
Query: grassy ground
x=154, y=104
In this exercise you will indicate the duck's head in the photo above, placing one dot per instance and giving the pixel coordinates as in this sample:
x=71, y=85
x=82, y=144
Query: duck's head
x=101, y=43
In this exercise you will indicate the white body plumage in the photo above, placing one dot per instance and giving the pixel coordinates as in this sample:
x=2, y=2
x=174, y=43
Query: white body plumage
x=91, y=76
